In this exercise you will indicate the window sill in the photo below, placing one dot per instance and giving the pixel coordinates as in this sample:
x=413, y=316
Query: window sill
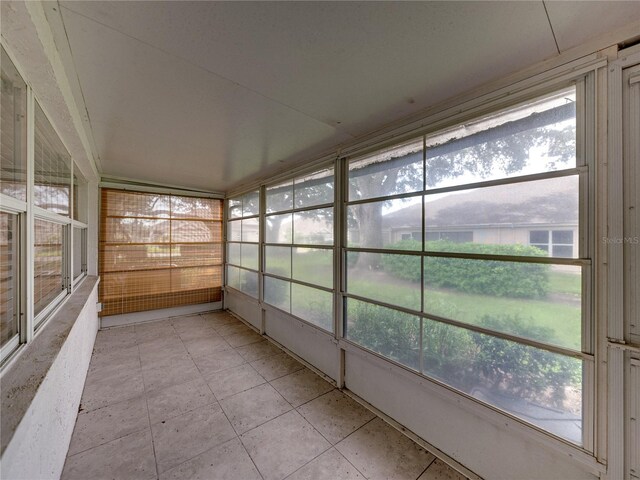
x=24, y=374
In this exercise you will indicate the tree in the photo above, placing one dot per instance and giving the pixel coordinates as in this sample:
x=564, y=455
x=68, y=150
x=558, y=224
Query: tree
x=505, y=149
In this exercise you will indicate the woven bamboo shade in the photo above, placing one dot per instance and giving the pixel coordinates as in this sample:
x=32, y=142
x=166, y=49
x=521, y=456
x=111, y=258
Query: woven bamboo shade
x=158, y=251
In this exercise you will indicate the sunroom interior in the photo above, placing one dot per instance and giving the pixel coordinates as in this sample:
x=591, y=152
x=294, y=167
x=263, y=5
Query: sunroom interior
x=320, y=240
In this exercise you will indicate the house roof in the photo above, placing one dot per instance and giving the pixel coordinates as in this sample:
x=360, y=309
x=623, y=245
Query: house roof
x=550, y=201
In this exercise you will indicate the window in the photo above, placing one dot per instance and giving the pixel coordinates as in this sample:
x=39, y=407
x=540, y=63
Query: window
x=52, y=168
x=488, y=299
x=243, y=235
x=49, y=265
x=298, y=251
x=555, y=243
x=9, y=279
x=13, y=141
x=158, y=251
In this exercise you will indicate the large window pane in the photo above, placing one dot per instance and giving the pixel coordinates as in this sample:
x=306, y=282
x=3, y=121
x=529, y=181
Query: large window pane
x=48, y=263
x=278, y=261
x=538, y=386
x=537, y=137
x=279, y=228
x=233, y=277
x=314, y=189
x=280, y=197
x=235, y=207
x=534, y=301
x=388, y=172
x=9, y=269
x=313, y=227
x=250, y=230
x=277, y=293
x=394, y=279
x=233, y=253
x=249, y=283
x=391, y=333
x=515, y=219
x=13, y=136
x=79, y=252
x=52, y=168
x=313, y=265
x=386, y=224
x=249, y=256
x=234, y=231
x=251, y=204
x=312, y=305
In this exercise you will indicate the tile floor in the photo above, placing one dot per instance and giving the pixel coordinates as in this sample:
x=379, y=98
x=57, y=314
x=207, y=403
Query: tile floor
x=205, y=397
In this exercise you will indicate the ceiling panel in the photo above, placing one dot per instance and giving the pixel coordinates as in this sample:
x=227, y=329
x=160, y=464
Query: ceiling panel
x=575, y=22
x=231, y=90
x=160, y=118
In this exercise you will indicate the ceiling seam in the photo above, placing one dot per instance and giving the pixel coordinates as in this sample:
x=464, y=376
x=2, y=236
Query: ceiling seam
x=551, y=26
x=97, y=158
x=233, y=82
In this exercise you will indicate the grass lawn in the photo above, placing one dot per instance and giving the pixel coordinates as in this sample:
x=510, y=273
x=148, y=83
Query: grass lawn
x=560, y=312
x=560, y=317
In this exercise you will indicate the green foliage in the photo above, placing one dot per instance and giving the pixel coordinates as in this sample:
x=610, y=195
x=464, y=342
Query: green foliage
x=519, y=370
x=487, y=277
x=466, y=359
x=391, y=333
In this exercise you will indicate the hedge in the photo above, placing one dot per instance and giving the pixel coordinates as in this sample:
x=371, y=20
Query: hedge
x=487, y=277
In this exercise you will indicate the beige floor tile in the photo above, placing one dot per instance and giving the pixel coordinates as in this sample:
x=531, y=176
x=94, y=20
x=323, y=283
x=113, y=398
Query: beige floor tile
x=330, y=465
x=218, y=360
x=178, y=399
x=110, y=360
x=301, y=386
x=180, y=370
x=182, y=438
x=439, y=470
x=220, y=318
x=114, y=339
x=282, y=445
x=161, y=351
x=206, y=345
x=102, y=389
x=258, y=350
x=129, y=457
x=254, y=407
x=381, y=452
x=228, y=461
x=232, y=329
x=108, y=423
x=190, y=332
x=335, y=415
x=233, y=380
x=277, y=366
x=245, y=338
x=146, y=332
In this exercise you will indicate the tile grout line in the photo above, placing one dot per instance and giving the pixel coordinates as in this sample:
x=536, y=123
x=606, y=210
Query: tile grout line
x=223, y=412
x=427, y=467
x=146, y=401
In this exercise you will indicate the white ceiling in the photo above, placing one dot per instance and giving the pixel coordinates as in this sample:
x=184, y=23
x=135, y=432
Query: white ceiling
x=213, y=94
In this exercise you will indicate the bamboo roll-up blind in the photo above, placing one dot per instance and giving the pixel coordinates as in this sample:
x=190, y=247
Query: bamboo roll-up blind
x=158, y=251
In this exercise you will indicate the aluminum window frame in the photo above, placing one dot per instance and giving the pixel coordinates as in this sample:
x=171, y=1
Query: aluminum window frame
x=293, y=245
x=30, y=324
x=584, y=169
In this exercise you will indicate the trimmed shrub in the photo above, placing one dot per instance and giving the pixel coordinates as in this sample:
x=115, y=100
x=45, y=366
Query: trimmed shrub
x=487, y=277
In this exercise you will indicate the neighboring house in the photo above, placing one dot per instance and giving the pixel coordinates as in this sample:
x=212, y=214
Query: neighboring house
x=544, y=216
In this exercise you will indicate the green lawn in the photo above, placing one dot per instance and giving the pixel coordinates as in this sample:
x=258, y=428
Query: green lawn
x=560, y=317
x=560, y=312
